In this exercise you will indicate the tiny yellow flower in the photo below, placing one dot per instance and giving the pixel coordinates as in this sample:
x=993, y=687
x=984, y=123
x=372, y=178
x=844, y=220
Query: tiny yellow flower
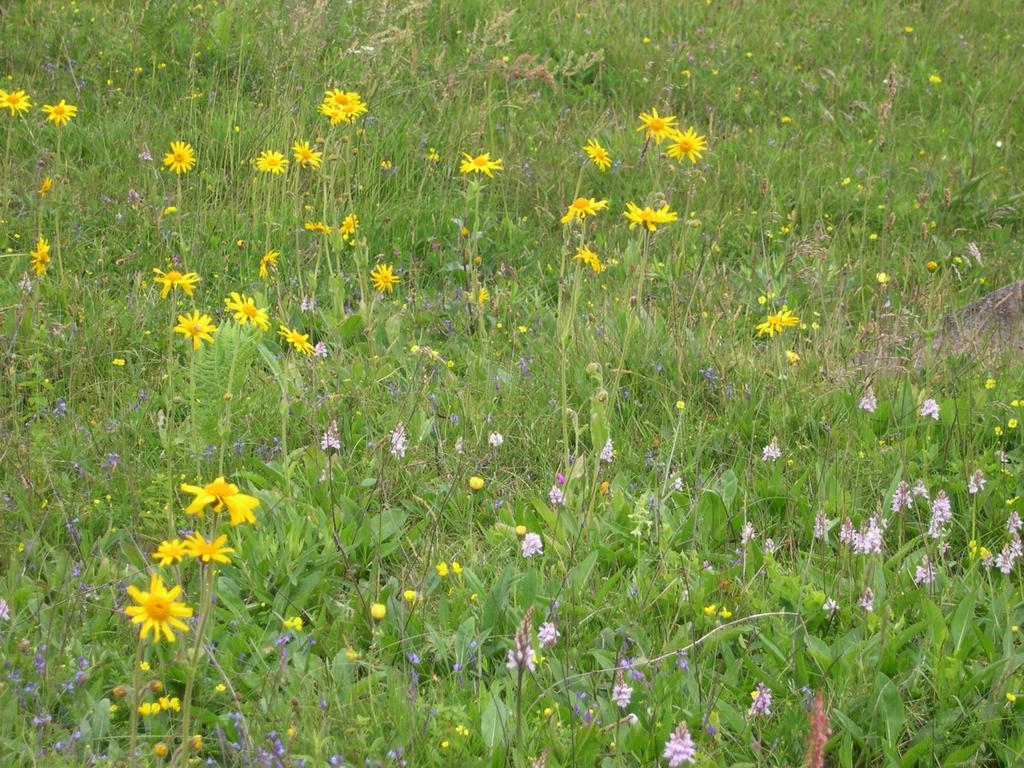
x=294, y=623
x=476, y=483
x=442, y=569
x=378, y=611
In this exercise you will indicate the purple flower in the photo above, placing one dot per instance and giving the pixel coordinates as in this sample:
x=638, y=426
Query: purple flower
x=771, y=451
x=977, y=482
x=761, y=706
x=607, y=452
x=556, y=496
x=330, y=438
x=930, y=408
x=532, y=545
x=925, y=573
x=942, y=513
x=622, y=693
x=547, y=634
x=869, y=402
x=679, y=748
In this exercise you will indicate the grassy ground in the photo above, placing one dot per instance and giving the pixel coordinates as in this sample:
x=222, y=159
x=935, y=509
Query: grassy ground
x=863, y=169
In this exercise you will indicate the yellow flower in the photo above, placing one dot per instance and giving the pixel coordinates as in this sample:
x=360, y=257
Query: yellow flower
x=170, y=703
x=351, y=653
x=294, y=623
x=157, y=611
x=378, y=611
x=209, y=550
x=776, y=323
x=149, y=708
x=1011, y=697
x=170, y=552
x=317, y=226
x=656, y=126
x=15, y=101
x=40, y=256
x=383, y=278
x=442, y=569
x=483, y=296
x=195, y=743
x=710, y=610
x=932, y=266
x=688, y=145
x=588, y=257
x=342, y=106
x=267, y=260
x=305, y=155
x=456, y=567
x=598, y=155
x=160, y=749
x=246, y=311
x=348, y=227
x=476, y=483
x=299, y=341
x=410, y=596
x=990, y=383
x=649, y=217
x=582, y=207
x=480, y=164
x=792, y=356
x=725, y=613
x=1012, y=424
x=271, y=161
x=60, y=114
x=520, y=530
x=934, y=79
x=221, y=494
x=882, y=278
x=197, y=327
x=181, y=159
x=45, y=187
x=174, y=279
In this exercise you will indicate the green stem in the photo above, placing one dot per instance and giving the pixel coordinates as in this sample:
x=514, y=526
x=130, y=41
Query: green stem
x=186, y=704
x=133, y=726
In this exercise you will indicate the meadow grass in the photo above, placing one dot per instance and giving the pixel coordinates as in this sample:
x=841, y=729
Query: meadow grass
x=516, y=511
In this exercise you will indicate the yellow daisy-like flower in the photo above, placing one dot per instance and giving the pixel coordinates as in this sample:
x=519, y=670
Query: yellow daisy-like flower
x=212, y=551
x=348, y=227
x=170, y=552
x=300, y=341
x=342, y=106
x=271, y=161
x=158, y=610
x=777, y=323
x=317, y=226
x=598, y=155
x=181, y=159
x=246, y=311
x=582, y=207
x=45, y=186
x=383, y=278
x=60, y=114
x=221, y=494
x=480, y=164
x=588, y=257
x=15, y=101
x=197, y=327
x=687, y=145
x=268, y=260
x=40, y=256
x=648, y=217
x=305, y=155
x=655, y=126
x=483, y=296
x=186, y=281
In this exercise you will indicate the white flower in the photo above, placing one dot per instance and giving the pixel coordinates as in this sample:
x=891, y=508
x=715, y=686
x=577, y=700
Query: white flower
x=495, y=439
x=607, y=452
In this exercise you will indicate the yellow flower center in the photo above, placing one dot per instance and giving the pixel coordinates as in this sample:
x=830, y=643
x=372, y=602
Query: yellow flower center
x=685, y=145
x=220, y=489
x=174, y=276
x=480, y=162
x=180, y=157
x=158, y=608
x=197, y=329
x=581, y=204
x=656, y=124
x=249, y=310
